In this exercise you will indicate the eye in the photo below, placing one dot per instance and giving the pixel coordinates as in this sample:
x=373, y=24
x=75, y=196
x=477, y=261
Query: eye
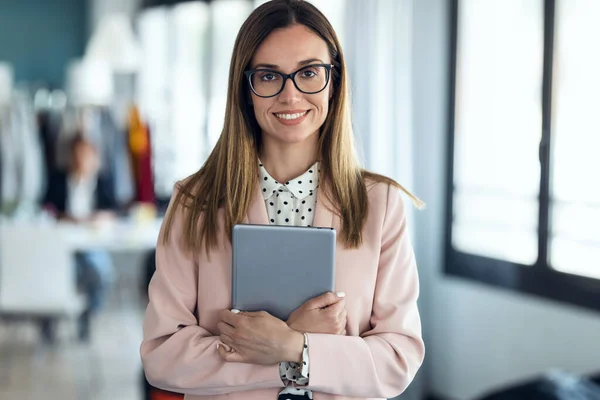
x=309, y=73
x=268, y=76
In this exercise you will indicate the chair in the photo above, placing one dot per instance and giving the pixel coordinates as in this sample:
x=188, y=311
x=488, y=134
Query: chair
x=37, y=273
x=37, y=276
x=38, y=279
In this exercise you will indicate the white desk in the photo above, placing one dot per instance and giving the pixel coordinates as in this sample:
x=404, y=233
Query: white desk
x=37, y=245
x=113, y=236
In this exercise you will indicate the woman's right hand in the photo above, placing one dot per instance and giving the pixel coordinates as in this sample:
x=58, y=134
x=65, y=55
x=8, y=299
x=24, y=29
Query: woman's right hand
x=322, y=314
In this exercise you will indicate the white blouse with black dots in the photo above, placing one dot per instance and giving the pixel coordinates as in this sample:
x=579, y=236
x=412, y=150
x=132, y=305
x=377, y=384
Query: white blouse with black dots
x=292, y=203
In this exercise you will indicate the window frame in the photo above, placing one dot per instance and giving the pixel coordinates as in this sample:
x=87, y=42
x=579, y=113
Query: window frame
x=540, y=279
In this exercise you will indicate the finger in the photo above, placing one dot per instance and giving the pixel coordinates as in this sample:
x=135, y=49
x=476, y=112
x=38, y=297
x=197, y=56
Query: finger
x=343, y=316
x=226, y=339
x=227, y=348
x=230, y=356
x=325, y=300
x=338, y=307
x=225, y=328
x=334, y=310
x=231, y=318
x=222, y=350
x=344, y=332
x=255, y=314
x=342, y=321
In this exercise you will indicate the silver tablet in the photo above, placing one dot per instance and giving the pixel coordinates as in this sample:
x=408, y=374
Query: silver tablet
x=278, y=268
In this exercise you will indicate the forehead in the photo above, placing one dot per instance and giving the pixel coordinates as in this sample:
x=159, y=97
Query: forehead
x=289, y=46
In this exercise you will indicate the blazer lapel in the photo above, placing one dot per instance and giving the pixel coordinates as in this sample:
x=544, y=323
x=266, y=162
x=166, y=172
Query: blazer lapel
x=257, y=212
x=324, y=215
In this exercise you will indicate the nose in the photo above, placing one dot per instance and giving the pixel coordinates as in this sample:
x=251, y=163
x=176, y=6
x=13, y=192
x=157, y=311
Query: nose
x=290, y=94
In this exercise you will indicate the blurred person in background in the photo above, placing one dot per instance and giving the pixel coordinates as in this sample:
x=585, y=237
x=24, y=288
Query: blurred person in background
x=81, y=194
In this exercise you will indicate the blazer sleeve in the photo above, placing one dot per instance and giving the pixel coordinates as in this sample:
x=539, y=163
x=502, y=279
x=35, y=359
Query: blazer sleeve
x=178, y=355
x=382, y=361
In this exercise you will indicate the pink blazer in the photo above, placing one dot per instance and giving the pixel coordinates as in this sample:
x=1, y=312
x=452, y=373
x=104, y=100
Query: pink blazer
x=378, y=358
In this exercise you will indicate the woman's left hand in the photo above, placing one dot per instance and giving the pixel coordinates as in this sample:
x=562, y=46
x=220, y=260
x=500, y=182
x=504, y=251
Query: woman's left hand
x=258, y=338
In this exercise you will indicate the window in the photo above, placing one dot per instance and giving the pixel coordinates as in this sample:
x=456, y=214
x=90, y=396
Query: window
x=227, y=18
x=575, y=214
x=496, y=172
x=186, y=50
x=523, y=209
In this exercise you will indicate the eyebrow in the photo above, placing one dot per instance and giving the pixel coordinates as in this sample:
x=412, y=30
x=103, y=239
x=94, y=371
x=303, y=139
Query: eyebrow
x=301, y=63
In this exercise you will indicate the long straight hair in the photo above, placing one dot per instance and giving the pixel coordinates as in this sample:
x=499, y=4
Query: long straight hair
x=229, y=176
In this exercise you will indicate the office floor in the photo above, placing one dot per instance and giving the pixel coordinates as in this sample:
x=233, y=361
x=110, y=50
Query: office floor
x=108, y=367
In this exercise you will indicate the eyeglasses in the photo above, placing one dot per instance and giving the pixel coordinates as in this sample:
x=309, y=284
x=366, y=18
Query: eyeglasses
x=309, y=80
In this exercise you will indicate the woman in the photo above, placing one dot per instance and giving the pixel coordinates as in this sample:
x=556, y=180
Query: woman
x=365, y=340
x=82, y=194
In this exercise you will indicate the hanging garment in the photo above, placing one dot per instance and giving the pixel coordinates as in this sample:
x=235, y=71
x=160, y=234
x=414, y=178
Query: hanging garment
x=120, y=162
x=32, y=182
x=141, y=156
x=23, y=180
x=49, y=126
x=100, y=126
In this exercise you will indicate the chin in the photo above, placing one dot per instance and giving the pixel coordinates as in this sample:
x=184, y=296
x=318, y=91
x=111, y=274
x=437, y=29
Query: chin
x=295, y=139
x=293, y=136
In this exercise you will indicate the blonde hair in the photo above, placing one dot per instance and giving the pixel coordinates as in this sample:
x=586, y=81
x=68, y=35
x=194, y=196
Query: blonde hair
x=230, y=174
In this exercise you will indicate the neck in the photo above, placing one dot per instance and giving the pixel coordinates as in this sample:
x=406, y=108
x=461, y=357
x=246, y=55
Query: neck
x=285, y=161
x=79, y=175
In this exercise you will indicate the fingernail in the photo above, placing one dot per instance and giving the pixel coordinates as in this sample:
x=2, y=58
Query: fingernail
x=235, y=311
x=341, y=294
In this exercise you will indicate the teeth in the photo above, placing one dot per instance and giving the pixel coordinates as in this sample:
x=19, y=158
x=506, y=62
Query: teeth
x=290, y=116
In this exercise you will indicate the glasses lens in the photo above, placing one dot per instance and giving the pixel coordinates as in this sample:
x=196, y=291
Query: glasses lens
x=266, y=83
x=311, y=79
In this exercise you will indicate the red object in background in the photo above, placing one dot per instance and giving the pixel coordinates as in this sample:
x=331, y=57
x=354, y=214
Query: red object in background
x=140, y=150
x=157, y=394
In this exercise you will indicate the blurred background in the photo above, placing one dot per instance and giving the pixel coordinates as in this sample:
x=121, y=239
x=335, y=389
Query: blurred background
x=486, y=109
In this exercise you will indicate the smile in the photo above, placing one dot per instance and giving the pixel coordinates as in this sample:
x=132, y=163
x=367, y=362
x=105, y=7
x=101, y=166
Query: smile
x=290, y=117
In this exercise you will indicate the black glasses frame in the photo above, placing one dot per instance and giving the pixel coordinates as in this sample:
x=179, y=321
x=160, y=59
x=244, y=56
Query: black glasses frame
x=285, y=77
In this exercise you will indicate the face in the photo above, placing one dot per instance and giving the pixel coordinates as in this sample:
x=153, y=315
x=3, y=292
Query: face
x=85, y=159
x=291, y=116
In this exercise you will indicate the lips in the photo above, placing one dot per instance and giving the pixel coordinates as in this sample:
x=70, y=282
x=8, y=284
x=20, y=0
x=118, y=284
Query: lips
x=291, y=116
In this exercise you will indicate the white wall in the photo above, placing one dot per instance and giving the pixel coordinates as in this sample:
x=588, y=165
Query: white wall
x=478, y=337
x=101, y=8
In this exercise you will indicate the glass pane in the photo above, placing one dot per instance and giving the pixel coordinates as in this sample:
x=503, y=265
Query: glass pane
x=498, y=128
x=227, y=18
x=481, y=229
x=154, y=94
x=190, y=28
x=335, y=12
x=575, y=236
x=173, y=88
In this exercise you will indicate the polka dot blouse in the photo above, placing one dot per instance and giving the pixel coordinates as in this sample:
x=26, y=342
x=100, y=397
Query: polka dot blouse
x=292, y=203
